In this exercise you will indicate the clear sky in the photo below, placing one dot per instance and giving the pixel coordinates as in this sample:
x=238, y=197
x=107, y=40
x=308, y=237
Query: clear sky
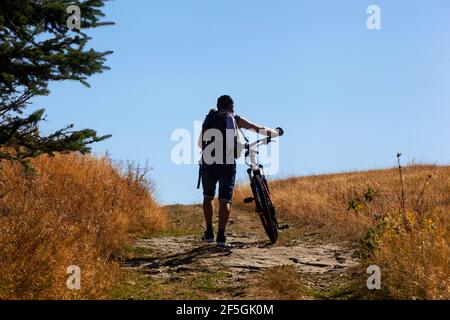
x=348, y=98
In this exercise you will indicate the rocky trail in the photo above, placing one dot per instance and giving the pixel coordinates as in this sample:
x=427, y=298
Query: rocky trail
x=303, y=264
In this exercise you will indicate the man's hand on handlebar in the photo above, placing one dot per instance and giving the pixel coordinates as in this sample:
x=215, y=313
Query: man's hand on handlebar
x=280, y=131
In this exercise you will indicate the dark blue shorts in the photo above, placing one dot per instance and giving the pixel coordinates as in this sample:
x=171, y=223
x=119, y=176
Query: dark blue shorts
x=225, y=175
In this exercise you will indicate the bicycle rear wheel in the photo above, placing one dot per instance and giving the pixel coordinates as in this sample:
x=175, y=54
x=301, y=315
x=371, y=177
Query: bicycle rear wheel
x=267, y=213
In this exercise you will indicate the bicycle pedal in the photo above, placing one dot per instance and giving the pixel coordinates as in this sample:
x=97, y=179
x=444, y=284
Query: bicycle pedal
x=249, y=200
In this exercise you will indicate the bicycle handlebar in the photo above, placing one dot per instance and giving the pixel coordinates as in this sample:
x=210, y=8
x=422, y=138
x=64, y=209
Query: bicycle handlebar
x=266, y=140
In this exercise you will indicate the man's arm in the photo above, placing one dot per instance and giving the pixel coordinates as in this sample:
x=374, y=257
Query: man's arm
x=245, y=124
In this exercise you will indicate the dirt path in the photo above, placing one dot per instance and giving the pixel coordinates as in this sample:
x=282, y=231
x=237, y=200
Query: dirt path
x=251, y=264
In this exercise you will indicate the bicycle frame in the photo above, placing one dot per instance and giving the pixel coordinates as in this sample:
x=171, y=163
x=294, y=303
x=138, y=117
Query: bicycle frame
x=250, y=152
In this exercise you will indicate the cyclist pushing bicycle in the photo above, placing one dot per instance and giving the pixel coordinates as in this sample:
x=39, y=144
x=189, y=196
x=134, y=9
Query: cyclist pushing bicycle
x=221, y=146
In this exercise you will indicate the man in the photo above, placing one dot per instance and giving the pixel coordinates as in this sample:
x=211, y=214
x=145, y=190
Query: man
x=219, y=141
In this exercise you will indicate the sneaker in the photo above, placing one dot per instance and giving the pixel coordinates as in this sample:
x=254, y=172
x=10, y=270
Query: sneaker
x=208, y=237
x=222, y=242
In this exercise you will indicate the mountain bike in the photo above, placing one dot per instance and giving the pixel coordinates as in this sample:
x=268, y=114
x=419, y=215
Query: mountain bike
x=260, y=188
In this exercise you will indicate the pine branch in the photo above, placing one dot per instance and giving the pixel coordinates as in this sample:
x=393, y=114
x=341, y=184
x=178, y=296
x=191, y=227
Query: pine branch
x=37, y=47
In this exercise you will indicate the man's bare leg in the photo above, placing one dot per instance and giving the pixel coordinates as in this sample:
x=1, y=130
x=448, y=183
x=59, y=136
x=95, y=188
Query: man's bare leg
x=208, y=212
x=224, y=215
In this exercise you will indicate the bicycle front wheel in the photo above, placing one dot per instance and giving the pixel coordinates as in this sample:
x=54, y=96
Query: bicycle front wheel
x=267, y=213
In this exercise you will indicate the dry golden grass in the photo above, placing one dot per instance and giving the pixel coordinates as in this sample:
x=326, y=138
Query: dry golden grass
x=282, y=283
x=74, y=210
x=411, y=244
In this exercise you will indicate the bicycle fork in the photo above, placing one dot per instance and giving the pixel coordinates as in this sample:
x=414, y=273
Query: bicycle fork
x=258, y=173
x=251, y=175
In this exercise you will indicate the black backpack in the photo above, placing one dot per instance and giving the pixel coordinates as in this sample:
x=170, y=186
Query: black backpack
x=218, y=120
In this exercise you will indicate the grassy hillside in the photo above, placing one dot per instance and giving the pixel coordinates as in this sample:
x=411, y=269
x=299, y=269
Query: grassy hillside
x=85, y=211
x=409, y=242
x=73, y=210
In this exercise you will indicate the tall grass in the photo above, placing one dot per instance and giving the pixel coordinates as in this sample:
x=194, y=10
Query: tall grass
x=407, y=235
x=73, y=210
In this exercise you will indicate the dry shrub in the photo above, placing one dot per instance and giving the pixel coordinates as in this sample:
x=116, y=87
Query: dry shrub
x=73, y=210
x=414, y=255
x=414, y=251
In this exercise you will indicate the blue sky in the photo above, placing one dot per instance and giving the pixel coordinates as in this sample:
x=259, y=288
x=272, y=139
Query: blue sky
x=348, y=98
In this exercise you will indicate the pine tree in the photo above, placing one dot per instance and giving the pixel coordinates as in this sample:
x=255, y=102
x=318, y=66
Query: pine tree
x=36, y=47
